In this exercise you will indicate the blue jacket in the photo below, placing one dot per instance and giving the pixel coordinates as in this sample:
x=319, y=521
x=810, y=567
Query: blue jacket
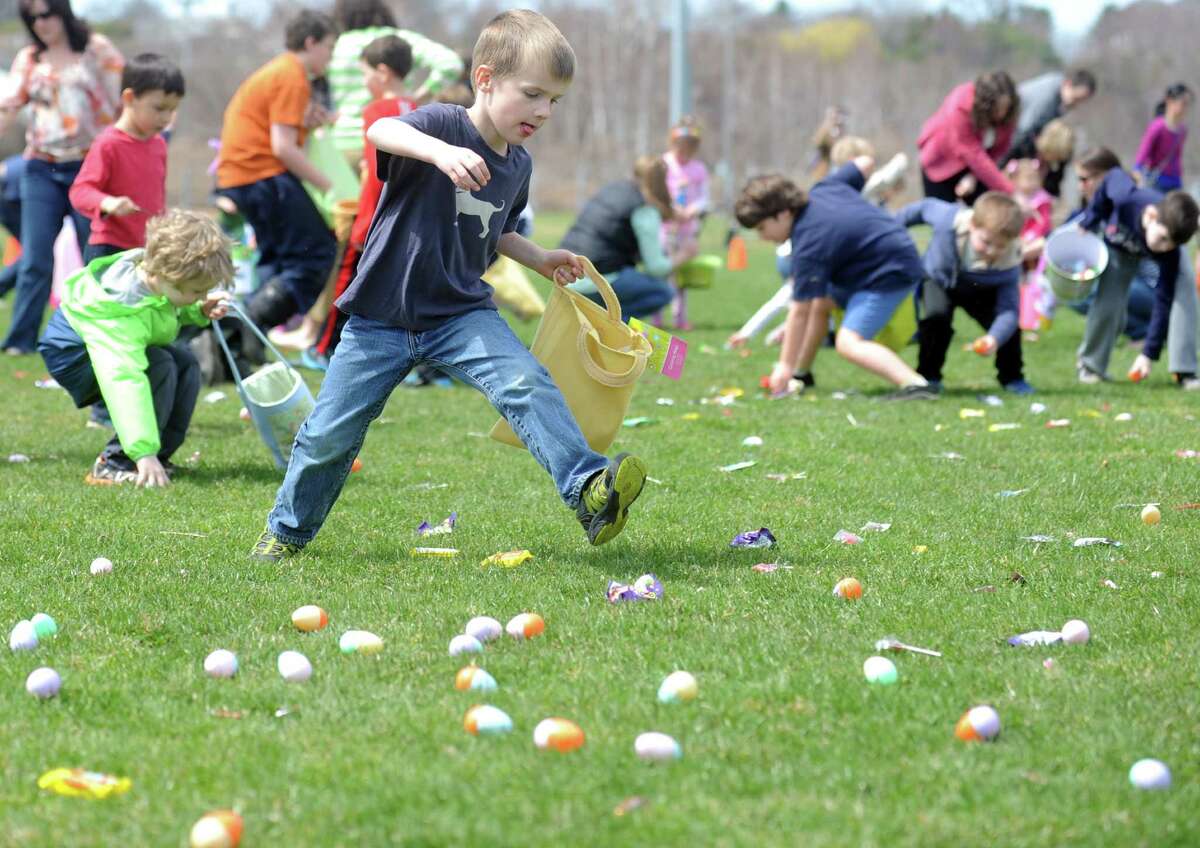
x=943, y=264
x=1115, y=211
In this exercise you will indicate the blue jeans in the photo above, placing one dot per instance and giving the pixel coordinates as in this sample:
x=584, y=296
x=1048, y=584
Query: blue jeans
x=295, y=245
x=869, y=310
x=372, y=358
x=172, y=370
x=44, y=204
x=640, y=294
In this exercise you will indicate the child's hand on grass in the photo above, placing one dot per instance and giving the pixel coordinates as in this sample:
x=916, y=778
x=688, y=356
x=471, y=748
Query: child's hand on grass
x=465, y=168
x=150, y=473
x=1141, y=368
x=118, y=206
x=781, y=376
x=561, y=266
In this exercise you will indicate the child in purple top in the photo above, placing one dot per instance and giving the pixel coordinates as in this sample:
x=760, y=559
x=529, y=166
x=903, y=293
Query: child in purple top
x=1159, y=160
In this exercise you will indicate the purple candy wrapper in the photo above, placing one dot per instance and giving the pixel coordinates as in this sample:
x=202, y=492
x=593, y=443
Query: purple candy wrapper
x=447, y=526
x=762, y=538
x=645, y=588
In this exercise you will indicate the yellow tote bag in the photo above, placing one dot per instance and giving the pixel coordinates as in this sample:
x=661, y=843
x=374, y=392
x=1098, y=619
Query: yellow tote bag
x=592, y=356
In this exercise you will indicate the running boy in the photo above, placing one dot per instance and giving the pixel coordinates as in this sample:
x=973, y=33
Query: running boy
x=113, y=338
x=845, y=250
x=456, y=182
x=974, y=261
x=123, y=181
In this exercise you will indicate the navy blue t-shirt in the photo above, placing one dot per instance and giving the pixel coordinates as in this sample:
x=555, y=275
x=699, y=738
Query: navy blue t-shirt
x=429, y=242
x=843, y=243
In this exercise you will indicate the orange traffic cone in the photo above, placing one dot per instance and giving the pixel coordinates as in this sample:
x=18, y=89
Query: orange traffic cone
x=735, y=258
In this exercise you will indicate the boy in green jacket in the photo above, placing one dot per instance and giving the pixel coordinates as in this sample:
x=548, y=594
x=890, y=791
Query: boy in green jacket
x=113, y=338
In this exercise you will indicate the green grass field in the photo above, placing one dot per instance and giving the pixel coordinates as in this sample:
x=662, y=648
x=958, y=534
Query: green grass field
x=786, y=744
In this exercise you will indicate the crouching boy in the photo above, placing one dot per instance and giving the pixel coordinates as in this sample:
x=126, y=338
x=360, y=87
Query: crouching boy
x=113, y=339
x=973, y=261
x=845, y=251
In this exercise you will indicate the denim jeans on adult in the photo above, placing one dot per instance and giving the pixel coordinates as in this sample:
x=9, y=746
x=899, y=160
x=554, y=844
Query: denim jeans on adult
x=479, y=349
x=172, y=371
x=10, y=219
x=44, y=204
x=640, y=294
x=295, y=244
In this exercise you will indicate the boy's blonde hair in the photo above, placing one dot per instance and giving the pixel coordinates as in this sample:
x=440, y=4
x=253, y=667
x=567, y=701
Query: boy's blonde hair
x=182, y=246
x=999, y=214
x=849, y=147
x=1056, y=142
x=511, y=40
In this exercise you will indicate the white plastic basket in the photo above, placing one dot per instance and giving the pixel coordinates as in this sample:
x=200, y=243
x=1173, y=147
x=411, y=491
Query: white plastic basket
x=276, y=395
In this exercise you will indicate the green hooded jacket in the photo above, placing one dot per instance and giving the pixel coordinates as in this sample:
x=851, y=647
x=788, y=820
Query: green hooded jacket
x=109, y=304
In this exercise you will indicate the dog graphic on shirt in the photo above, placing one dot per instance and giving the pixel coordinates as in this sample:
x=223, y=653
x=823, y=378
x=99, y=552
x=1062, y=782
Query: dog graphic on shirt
x=467, y=204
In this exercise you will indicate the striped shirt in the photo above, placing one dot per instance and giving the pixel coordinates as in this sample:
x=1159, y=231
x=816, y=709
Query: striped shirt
x=349, y=90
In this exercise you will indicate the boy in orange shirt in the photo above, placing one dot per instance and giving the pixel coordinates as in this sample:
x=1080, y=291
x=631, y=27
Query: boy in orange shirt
x=262, y=162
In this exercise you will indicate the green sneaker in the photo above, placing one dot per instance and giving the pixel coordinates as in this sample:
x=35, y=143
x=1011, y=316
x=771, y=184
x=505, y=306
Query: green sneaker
x=270, y=548
x=604, y=503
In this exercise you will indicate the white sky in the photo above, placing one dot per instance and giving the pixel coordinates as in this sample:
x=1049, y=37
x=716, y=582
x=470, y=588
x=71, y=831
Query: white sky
x=1072, y=18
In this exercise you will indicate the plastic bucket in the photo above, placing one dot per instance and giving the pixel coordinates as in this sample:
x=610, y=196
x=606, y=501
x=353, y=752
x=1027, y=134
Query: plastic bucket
x=698, y=273
x=1074, y=262
x=275, y=395
x=278, y=400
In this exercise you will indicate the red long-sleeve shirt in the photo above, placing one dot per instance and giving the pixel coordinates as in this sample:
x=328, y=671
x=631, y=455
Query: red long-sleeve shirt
x=119, y=165
x=372, y=188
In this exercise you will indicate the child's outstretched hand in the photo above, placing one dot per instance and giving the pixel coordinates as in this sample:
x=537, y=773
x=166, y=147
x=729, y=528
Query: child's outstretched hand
x=216, y=305
x=118, y=206
x=150, y=473
x=465, y=168
x=781, y=375
x=984, y=345
x=561, y=266
x=736, y=340
x=1141, y=368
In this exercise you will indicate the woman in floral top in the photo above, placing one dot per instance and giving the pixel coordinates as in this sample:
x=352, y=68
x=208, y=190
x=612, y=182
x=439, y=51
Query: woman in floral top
x=70, y=78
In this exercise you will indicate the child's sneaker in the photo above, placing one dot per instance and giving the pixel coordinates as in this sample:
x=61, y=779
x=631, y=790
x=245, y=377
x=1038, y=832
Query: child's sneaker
x=105, y=473
x=1018, y=387
x=1089, y=377
x=270, y=548
x=98, y=418
x=917, y=391
x=604, y=502
x=1187, y=382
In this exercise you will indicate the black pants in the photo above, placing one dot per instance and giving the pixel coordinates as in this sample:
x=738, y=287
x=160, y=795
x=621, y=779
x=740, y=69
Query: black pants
x=172, y=370
x=95, y=251
x=944, y=189
x=936, y=328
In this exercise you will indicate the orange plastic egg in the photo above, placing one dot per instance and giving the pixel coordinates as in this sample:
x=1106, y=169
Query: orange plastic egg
x=848, y=589
x=356, y=465
x=558, y=734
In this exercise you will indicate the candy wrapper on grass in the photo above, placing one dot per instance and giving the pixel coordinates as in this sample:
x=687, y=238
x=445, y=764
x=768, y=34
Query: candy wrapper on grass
x=645, y=588
x=447, y=526
x=80, y=783
x=508, y=559
x=1090, y=541
x=762, y=538
x=1036, y=639
x=847, y=538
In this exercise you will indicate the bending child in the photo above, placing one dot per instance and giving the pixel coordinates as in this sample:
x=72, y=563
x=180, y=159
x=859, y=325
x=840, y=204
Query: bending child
x=973, y=261
x=456, y=182
x=114, y=338
x=845, y=251
x=1136, y=223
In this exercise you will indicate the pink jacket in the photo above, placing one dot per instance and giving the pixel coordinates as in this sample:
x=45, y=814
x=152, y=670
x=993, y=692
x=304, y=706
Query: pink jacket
x=949, y=142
